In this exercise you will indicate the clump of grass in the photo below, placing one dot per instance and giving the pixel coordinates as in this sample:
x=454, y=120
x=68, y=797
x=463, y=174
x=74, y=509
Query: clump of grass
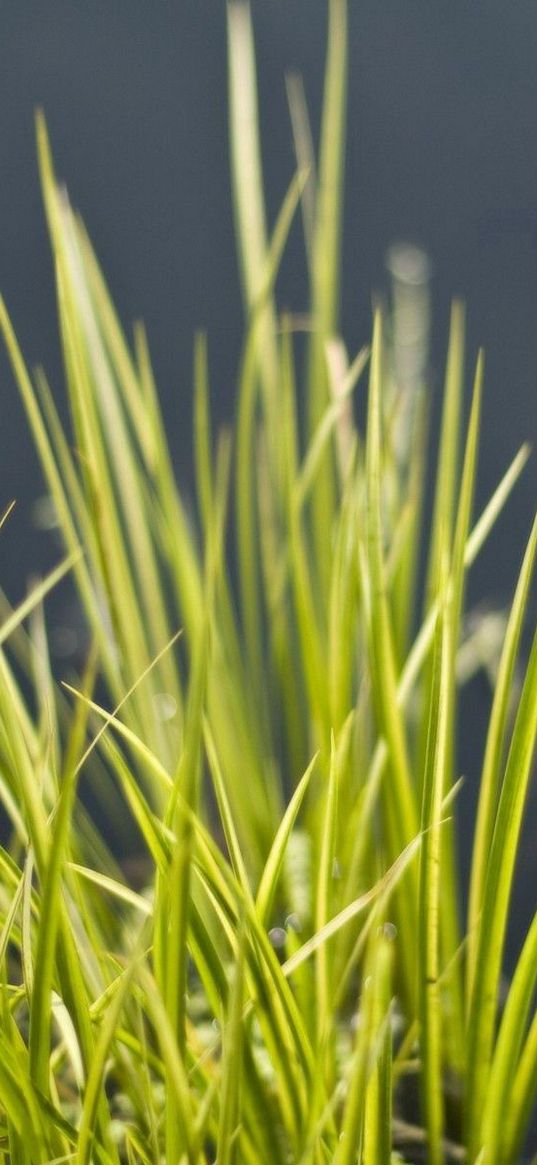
x=293, y=980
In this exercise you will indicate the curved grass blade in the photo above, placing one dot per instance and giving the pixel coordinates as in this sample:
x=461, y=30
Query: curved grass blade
x=273, y=866
x=492, y=924
x=521, y=1098
x=495, y=749
x=507, y=1053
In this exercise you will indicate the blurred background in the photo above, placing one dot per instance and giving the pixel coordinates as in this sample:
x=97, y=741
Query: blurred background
x=442, y=151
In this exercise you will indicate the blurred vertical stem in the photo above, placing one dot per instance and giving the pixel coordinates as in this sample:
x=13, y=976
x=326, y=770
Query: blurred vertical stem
x=410, y=272
x=326, y=264
x=249, y=200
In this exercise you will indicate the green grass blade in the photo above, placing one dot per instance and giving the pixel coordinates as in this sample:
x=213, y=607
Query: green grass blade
x=431, y=889
x=450, y=921
x=497, y=892
x=269, y=879
x=305, y=155
x=495, y=748
x=96, y=1075
x=249, y=203
x=202, y=431
x=326, y=257
x=232, y=1067
x=507, y=1052
x=379, y=1098
x=521, y=1098
x=323, y=908
x=50, y=913
x=398, y=798
x=447, y=474
x=37, y=595
x=375, y=991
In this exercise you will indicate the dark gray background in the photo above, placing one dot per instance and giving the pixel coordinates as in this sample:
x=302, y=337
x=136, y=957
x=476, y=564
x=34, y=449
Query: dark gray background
x=442, y=150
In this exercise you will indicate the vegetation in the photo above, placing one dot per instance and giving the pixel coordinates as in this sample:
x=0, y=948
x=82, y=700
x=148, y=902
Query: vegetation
x=290, y=979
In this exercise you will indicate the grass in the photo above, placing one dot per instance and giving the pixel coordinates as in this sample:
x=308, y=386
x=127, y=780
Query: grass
x=272, y=702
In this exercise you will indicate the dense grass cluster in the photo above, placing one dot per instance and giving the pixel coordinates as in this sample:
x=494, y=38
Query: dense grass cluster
x=291, y=981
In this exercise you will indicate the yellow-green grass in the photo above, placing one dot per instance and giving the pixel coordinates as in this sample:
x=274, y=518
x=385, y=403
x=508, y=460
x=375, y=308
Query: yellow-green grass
x=296, y=952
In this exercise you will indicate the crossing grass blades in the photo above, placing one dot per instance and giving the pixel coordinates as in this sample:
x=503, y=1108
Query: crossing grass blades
x=272, y=703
